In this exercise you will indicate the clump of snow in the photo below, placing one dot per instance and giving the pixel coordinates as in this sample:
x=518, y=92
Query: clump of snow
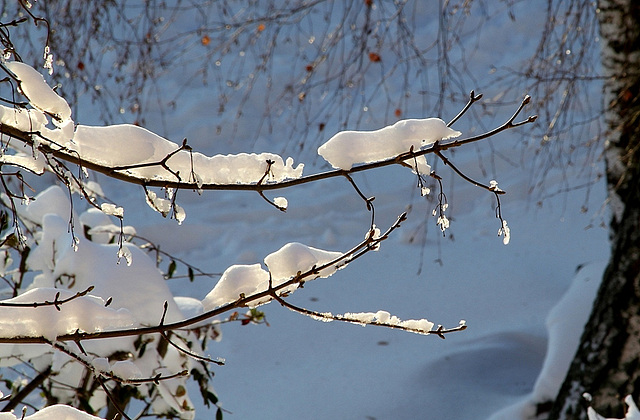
x=101, y=365
x=284, y=264
x=22, y=119
x=374, y=234
x=236, y=280
x=124, y=252
x=126, y=369
x=40, y=95
x=281, y=202
x=136, y=291
x=505, y=232
x=34, y=163
x=179, y=213
x=112, y=209
x=190, y=307
x=139, y=287
x=129, y=145
x=348, y=148
x=295, y=257
x=493, y=186
x=420, y=326
x=159, y=204
x=100, y=227
x=442, y=221
x=139, y=152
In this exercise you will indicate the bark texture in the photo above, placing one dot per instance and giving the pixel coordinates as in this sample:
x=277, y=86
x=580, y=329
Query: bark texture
x=607, y=363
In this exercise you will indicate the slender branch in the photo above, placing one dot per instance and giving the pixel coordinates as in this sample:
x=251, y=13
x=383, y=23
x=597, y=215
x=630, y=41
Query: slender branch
x=465, y=177
x=440, y=331
x=28, y=389
x=112, y=399
x=108, y=375
x=367, y=200
x=182, y=349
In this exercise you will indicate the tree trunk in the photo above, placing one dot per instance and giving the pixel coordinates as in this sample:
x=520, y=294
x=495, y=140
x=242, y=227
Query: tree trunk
x=607, y=363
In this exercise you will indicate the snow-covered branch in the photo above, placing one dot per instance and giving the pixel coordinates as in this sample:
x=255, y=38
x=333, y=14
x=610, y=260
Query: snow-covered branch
x=135, y=155
x=240, y=286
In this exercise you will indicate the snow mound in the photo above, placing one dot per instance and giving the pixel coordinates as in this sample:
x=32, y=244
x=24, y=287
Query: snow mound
x=565, y=323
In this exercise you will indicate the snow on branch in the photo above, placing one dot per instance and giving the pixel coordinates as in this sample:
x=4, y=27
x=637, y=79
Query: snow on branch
x=379, y=318
x=245, y=286
x=49, y=313
x=134, y=154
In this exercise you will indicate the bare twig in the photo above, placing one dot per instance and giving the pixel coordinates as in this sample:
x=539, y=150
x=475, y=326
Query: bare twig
x=465, y=177
x=57, y=302
x=367, y=200
x=472, y=98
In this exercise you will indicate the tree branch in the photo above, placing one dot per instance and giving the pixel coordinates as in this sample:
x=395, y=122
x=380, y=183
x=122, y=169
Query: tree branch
x=64, y=154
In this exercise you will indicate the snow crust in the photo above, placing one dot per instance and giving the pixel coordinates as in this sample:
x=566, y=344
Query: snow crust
x=348, y=148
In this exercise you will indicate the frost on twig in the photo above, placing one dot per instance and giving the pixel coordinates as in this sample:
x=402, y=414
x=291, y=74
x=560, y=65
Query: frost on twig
x=380, y=319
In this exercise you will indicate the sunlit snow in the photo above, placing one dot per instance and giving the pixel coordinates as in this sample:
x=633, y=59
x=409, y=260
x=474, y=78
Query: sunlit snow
x=142, y=153
x=348, y=148
x=86, y=313
x=284, y=264
x=40, y=95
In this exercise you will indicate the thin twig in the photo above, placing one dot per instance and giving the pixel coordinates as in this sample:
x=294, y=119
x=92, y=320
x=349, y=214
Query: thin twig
x=465, y=177
x=472, y=98
x=56, y=301
x=440, y=331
